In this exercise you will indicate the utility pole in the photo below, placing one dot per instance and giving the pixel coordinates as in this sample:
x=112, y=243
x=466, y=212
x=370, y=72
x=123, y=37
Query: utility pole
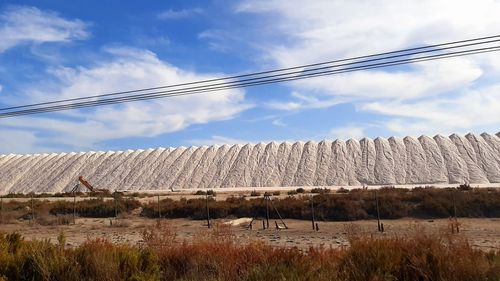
x=378, y=211
x=312, y=213
x=208, y=209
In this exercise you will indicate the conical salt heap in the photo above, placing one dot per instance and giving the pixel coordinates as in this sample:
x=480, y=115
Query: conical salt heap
x=455, y=159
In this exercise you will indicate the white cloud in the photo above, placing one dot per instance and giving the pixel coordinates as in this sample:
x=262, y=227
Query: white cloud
x=128, y=69
x=477, y=109
x=424, y=79
x=290, y=105
x=347, y=132
x=217, y=140
x=20, y=24
x=410, y=99
x=16, y=141
x=329, y=29
x=302, y=101
x=279, y=123
x=179, y=14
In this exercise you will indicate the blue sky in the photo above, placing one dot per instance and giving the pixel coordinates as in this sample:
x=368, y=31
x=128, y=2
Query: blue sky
x=61, y=49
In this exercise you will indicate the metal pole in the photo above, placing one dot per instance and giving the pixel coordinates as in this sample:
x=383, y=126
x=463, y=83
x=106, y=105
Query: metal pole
x=312, y=213
x=208, y=210
x=378, y=211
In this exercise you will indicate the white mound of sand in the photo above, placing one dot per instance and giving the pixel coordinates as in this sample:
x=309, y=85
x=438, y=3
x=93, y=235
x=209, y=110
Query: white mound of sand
x=456, y=159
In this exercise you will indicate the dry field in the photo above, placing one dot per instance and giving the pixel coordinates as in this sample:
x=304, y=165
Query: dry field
x=483, y=234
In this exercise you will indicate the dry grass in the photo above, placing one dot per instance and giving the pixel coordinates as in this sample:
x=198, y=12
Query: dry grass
x=217, y=256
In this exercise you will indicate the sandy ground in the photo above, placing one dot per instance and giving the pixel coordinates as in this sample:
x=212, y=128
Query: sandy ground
x=481, y=233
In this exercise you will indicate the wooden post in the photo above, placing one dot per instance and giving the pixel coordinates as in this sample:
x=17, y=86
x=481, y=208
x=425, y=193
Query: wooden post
x=267, y=210
x=74, y=207
x=312, y=212
x=378, y=211
x=455, y=223
x=1, y=209
x=208, y=210
x=278, y=213
x=32, y=210
x=454, y=205
x=116, y=206
x=159, y=209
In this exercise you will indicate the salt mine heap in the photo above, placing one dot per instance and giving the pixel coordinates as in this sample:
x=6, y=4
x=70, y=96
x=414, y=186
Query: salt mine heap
x=424, y=160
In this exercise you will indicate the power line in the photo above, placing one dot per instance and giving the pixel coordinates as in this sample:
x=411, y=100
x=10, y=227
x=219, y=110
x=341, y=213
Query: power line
x=431, y=47
x=268, y=79
x=160, y=95
x=180, y=93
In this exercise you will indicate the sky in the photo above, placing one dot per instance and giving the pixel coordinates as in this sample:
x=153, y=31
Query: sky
x=57, y=49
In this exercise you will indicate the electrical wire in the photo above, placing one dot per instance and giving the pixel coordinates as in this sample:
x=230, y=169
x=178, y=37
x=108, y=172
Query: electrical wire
x=268, y=79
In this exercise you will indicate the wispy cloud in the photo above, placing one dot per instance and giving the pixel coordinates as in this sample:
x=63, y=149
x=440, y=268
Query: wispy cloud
x=179, y=14
x=279, y=123
x=21, y=24
x=304, y=101
x=427, y=95
x=347, y=132
x=476, y=109
x=16, y=141
x=217, y=140
x=126, y=69
x=221, y=140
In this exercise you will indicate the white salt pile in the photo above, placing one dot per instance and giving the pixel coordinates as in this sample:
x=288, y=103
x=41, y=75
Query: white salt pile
x=439, y=160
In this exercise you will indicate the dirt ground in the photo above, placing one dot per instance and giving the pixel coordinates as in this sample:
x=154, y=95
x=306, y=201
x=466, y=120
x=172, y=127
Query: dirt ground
x=481, y=233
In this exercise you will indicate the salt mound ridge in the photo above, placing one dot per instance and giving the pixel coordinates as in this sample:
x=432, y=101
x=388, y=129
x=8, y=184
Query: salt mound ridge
x=440, y=160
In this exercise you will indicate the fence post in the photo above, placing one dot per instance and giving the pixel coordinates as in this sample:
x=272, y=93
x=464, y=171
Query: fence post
x=208, y=209
x=1, y=209
x=378, y=211
x=159, y=209
x=32, y=210
x=267, y=210
x=116, y=207
x=74, y=207
x=312, y=212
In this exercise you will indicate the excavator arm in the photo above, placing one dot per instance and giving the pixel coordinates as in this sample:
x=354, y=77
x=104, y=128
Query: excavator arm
x=86, y=183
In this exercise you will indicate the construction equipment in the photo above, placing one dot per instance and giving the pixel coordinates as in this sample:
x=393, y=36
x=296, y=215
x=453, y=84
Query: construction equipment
x=85, y=183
